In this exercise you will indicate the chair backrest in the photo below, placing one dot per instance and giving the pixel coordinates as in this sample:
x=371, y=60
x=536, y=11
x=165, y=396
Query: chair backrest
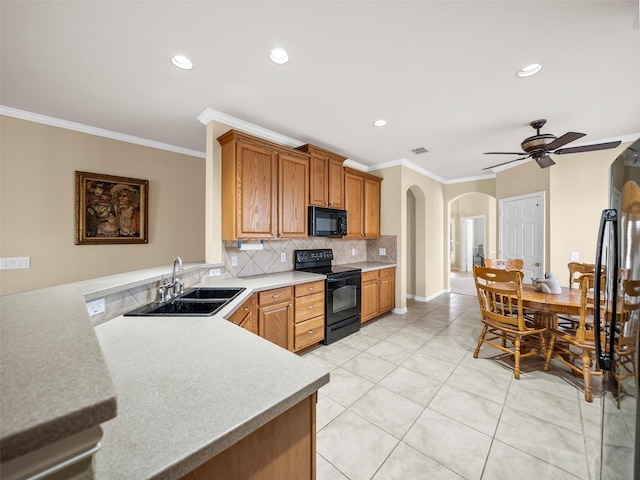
x=576, y=270
x=500, y=295
x=509, y=264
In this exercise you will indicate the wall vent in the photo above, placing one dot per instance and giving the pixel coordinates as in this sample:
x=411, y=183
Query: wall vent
x=419, y=150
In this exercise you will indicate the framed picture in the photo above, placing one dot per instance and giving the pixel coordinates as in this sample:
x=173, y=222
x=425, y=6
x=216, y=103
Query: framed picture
x=111, y=210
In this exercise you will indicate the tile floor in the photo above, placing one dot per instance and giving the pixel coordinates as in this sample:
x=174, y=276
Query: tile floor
x=407, y=400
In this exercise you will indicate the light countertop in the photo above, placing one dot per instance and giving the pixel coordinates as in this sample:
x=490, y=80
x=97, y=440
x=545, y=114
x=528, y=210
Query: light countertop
x=186, y=388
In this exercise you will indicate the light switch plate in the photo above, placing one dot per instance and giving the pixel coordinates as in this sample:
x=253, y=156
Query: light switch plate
x=575, y=256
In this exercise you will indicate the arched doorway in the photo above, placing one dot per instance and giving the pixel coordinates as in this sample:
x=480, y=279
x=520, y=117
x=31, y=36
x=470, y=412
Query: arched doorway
x=472, y=237
x=416, y=244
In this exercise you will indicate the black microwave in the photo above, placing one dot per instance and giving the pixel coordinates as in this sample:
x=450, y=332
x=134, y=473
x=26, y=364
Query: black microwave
x=327, y=222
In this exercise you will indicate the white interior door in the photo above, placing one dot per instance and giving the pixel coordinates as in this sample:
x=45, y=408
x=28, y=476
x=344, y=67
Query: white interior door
x=522, y=232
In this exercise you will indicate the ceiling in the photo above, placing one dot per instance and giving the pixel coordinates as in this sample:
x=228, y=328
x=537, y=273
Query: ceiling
x=443, y=74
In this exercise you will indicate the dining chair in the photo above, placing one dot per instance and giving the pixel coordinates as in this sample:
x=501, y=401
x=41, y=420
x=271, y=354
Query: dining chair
x=576, y=270
x=505, y=327
x=575, y=347
x=508, y=264
x=624, y=350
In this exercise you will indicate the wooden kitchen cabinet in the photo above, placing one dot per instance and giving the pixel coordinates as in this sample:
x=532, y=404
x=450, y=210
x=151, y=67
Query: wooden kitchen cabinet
x=362, y=202
x=326, y=177
x=309, y=314
x=285, y=447
x=377, y=293
x=275, y=316
x=264, y=189
x=246, y=316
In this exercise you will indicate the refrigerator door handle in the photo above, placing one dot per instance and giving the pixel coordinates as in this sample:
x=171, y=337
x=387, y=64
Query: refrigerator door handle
x=605, y=357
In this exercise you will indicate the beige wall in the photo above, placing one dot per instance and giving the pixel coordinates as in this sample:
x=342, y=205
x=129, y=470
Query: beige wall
x=579, y=185
x=37, y=204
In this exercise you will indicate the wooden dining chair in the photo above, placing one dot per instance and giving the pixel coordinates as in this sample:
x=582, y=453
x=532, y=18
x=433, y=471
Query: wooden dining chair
x=575, y=347
x=624, y=351
x=508, y=264
x=505, y=327
x=576, y=270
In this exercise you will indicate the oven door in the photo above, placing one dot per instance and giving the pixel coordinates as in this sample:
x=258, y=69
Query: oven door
x=342, y=299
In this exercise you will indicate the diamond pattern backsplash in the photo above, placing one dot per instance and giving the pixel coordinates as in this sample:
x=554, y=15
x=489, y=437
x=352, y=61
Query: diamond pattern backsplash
x=268, y=260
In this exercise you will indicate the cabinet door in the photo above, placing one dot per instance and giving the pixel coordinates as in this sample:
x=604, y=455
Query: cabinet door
x=276, y=324
x=371, y=208
x=257, y=187
x=354, y=194
x=369, y=301
x=318, y=181
x=246, y=316
x=387, y=290
x=335, y=173
x=293, y=193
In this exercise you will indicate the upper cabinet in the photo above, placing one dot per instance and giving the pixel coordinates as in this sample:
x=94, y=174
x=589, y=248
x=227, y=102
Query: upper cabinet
x=362, y=202
x=265, y=188
x=326, y=184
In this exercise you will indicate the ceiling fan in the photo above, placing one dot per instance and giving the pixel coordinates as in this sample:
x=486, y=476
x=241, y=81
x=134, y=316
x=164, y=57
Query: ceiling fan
x=540, y=145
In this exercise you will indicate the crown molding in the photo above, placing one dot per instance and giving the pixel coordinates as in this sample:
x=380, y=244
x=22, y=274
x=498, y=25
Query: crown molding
x=100, y=132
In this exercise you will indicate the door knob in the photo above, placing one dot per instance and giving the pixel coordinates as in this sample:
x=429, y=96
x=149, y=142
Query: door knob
x=537, y=264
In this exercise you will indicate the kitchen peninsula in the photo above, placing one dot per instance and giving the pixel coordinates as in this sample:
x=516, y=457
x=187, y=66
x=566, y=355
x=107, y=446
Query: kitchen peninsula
x=187, y=389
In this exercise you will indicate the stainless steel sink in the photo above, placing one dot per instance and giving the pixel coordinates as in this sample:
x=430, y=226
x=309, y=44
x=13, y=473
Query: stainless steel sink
x=194, y=302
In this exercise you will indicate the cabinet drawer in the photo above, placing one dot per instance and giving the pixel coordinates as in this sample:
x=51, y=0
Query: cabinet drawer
x=387, y=272
x=308, y=332
x=276, y=295
x=244, y=309
x=309, y=306
x=309, y=288
x=369, y=276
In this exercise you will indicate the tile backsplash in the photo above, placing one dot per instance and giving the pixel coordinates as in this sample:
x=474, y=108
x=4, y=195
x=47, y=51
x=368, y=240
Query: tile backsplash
x=269, y=259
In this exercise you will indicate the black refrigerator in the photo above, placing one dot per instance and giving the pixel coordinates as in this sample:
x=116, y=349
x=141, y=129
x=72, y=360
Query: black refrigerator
x=617, y=320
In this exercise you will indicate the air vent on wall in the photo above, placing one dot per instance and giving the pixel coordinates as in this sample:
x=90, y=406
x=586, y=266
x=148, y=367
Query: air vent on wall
x=419, y=150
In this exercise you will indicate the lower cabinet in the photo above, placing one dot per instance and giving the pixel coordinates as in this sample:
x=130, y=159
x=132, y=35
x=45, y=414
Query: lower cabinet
x=291, y=317
x=285, y=447
x=275, y=316
x=246, y=316
x=378, y=293
x=309, y=315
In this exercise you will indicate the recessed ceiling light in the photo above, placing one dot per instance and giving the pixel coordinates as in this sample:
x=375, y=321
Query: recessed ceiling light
x=529, y=70
x=182, y=62
x=379, y=123
x=279, y=56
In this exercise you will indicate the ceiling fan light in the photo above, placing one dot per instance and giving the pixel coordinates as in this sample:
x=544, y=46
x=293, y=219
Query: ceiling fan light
x=279, y=56
x=182, y=62
x=529, y=70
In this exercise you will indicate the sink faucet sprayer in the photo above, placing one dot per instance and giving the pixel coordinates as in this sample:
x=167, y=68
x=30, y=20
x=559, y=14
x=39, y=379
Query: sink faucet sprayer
x=168, y=290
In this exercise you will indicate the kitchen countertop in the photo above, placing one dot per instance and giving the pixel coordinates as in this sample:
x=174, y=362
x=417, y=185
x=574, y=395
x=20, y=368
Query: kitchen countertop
x=368, y=266
x=186, y=388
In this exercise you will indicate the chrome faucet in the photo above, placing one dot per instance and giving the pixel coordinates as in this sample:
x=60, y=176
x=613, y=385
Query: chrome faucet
x=168, y=290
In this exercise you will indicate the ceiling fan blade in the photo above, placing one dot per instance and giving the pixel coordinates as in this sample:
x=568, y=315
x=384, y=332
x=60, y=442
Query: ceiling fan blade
x=505, y=163
x=504, y=153
x=545, y=161
x=564, y=139
x=588, y=148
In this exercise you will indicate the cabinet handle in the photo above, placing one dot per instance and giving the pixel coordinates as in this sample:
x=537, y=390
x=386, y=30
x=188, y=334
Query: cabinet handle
x=275, y=295
x=247, y=308
x=310, y=307
x=310, y=332
x=311, y=289
x=362, y=234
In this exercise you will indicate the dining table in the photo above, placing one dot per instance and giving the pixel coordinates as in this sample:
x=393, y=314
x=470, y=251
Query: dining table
x=547, y=306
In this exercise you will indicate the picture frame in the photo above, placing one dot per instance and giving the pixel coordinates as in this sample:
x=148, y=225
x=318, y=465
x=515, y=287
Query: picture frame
x=111, y=209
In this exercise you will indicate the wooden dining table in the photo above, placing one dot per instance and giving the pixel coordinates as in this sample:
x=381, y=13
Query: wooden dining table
x=547, y=306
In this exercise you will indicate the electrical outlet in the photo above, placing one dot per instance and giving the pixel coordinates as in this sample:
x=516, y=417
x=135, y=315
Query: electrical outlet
x=383, y=252
x=283, y=257
x=234, y=260
x=94, y=307
x=575, y=256
x=353, y=252
x=214, y=272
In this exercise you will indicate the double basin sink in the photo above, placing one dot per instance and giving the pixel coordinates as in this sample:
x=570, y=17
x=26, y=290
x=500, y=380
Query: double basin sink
x=194, y=302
